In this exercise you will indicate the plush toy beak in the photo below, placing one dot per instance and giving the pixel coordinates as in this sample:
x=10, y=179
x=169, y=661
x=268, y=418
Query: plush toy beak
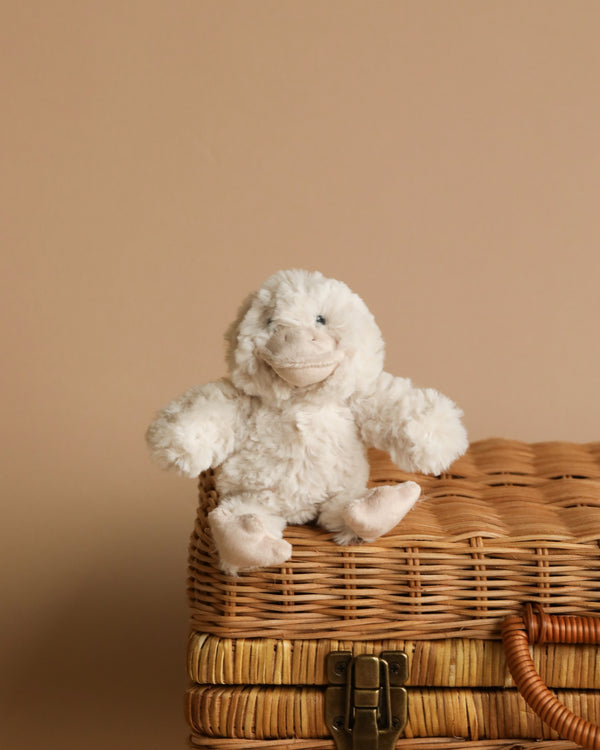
x=302, y=356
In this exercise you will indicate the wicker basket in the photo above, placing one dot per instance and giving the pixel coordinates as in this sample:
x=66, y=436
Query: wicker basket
x=508, y=523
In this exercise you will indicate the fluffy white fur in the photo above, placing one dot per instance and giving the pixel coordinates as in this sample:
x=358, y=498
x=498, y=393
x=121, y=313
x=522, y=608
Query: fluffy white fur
x=287, y=432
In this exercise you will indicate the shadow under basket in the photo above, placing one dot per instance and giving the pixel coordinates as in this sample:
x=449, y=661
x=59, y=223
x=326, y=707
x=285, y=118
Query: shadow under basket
x=510, y=523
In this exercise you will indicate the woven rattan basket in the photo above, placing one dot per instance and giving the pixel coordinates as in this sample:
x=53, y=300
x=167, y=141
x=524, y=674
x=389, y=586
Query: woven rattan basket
x=509, y=523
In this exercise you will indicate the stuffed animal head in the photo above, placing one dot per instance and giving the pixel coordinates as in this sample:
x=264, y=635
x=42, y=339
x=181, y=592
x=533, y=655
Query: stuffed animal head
x=303, y=333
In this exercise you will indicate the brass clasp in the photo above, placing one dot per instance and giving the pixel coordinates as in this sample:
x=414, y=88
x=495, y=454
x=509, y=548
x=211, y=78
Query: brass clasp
x=365, y=705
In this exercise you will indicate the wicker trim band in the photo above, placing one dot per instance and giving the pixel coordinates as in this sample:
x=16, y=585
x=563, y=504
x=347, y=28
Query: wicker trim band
x=454, y=662
x=264, y=713
x=433, y=743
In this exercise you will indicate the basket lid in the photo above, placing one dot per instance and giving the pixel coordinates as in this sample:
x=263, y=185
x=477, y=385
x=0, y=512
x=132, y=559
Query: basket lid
x=509, y=522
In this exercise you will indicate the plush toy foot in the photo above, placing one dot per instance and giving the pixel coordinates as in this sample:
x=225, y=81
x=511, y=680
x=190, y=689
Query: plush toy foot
x=381, y=509
x=243, y=542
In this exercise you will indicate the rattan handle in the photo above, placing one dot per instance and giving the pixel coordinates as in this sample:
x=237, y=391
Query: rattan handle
x=538, y=627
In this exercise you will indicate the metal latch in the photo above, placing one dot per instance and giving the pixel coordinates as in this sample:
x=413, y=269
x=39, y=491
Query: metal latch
x=365, y=705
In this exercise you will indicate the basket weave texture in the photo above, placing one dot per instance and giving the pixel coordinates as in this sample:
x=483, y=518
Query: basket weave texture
x=433, y=743
x=267, y=713
x=509, y=522
x=253, y=690
x=449, y=663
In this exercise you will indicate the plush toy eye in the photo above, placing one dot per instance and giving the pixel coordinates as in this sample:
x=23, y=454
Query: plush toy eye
x=321, y=320
x=269, y=321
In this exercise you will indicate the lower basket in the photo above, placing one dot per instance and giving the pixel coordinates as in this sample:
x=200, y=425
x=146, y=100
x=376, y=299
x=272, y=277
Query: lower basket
x=267, y=693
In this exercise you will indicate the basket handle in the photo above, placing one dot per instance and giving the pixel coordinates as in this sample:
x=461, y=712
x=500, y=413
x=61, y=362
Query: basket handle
x=537, y=627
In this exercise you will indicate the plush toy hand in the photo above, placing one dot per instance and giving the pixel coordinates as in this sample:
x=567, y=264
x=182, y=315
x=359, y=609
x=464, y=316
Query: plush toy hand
x=186, y=451
x=420, y=428
x=195, y=431
x=435, y=435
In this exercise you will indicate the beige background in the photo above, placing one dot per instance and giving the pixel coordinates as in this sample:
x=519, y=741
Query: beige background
x=160, y=159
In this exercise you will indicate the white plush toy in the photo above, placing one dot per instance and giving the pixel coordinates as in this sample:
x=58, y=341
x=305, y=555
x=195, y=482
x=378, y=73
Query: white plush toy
x=287, y=432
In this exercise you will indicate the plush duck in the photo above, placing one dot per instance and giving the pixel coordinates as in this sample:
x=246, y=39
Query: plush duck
x=287, y=432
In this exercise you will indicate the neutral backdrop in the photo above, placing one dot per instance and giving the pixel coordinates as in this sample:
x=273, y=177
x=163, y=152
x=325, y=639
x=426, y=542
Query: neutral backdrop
x=160, y=159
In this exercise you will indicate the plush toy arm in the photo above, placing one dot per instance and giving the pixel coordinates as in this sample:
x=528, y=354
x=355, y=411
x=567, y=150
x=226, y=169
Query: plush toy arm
x=420, y=428
x=196, y=430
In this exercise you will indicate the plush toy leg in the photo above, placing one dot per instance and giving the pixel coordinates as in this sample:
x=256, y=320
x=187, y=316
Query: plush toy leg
x=381, y=509
x=248, y=540
x=369, y=515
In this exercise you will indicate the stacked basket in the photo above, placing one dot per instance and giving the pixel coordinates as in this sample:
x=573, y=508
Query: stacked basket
x=509, y=523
